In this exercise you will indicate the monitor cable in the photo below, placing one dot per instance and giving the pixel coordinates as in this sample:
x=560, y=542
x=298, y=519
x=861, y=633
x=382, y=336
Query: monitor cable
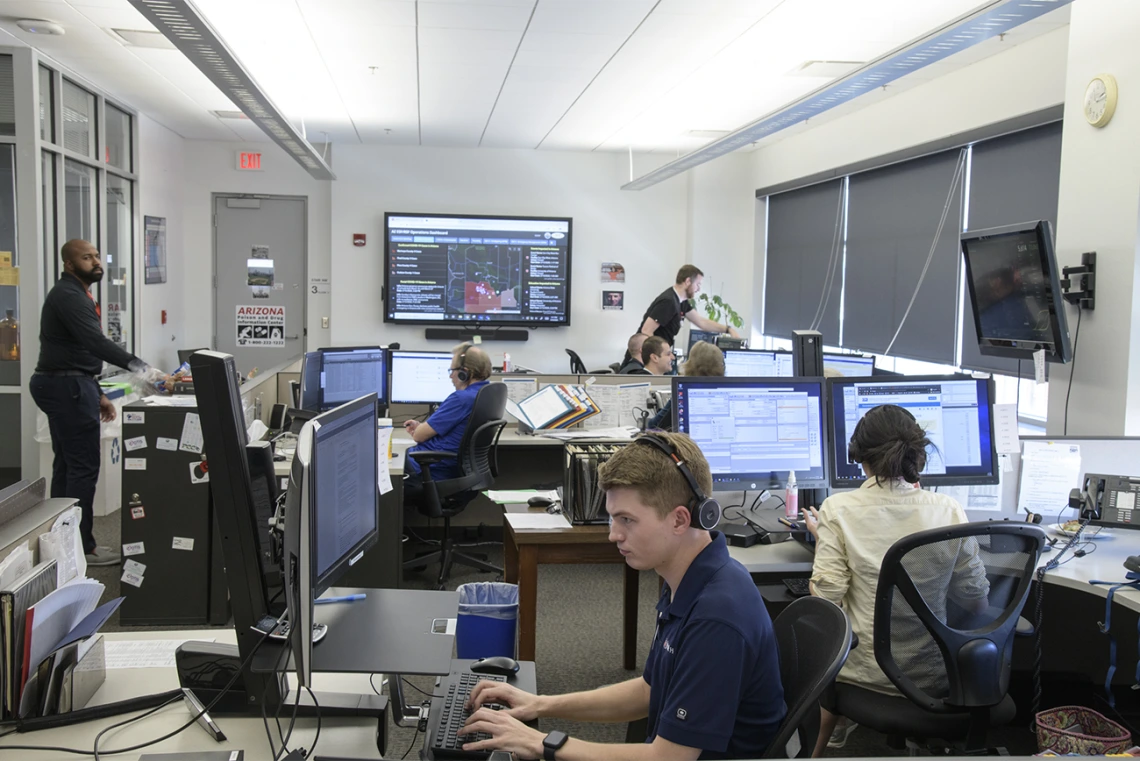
x=1072, y=370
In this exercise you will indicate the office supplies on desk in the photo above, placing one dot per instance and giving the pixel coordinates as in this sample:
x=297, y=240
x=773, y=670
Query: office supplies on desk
x=517, y=496
x=448, y=743
x=524, y=521
x=553, y=407
x=26, y=591
x=798, y=587
x=1049, y=471
x=344, y=598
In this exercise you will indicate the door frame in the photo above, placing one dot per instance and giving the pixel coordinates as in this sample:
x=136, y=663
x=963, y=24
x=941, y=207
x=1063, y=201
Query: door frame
x=214, y=197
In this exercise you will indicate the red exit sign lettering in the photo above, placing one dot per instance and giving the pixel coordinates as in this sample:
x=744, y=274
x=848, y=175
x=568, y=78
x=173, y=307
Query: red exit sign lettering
x=249, y=161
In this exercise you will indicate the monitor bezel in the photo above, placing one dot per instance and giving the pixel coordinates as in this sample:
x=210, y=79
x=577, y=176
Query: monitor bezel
x=693, y=343
x=924, y=481
x=775, y=482
x=473, y=323
x=382, y=396
x=1060, y=349
x=773, y=352
x=839, y=355
x=392, y=371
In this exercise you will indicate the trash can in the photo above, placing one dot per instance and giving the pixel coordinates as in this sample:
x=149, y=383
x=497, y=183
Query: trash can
x=488, y=617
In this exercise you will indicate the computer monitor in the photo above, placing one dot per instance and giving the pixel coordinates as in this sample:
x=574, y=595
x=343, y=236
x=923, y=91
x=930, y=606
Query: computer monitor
x=349, y=373
x=750, y=363
x=184, y=354
x=955, y=411
x=696, y=336
x=850, y=365
x=310, y=381
x=754, y=431
x=1015, y=292
x=420, y=377
x=332, y=513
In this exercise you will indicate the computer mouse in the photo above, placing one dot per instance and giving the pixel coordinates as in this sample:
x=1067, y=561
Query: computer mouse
x=498, y=664
x=278, y=458
x=537, y=501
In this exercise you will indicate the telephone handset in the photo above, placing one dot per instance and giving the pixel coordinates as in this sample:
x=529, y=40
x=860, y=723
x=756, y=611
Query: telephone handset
x=1110, y=500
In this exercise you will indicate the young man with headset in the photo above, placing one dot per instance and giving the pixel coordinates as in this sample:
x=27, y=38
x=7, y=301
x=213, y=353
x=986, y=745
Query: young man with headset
x=443, y=431
x=711, y=686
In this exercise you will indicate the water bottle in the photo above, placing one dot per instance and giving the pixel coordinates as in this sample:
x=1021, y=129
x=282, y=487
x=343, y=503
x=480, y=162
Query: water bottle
x=792, y=498
x=506, y=362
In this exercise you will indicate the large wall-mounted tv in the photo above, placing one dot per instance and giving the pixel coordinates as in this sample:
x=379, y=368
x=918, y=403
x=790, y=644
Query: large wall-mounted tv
x=467, y=270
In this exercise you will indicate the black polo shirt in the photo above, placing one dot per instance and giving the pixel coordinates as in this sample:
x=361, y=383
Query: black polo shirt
x=713, y=668
x=71, y=337
x=667, y=309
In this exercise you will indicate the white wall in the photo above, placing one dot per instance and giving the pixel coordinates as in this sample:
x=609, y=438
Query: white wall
x=161, y=191
x=646, y=231
x=210, y=168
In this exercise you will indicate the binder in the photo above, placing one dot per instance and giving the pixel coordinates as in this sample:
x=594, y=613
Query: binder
x=553, y=407
x=25, y=592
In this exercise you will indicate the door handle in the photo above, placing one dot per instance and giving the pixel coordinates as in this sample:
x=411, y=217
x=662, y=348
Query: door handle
x=291, y=338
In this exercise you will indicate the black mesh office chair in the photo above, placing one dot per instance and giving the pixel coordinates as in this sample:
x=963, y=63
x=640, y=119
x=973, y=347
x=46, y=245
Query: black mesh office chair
x=946, y=612
x=476, y=455
x=578, y=367
x=814, y=638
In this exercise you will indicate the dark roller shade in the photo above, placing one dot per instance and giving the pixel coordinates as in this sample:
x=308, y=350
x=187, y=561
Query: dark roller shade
x=1015, y=178
x=801, y=228
x=892, y=215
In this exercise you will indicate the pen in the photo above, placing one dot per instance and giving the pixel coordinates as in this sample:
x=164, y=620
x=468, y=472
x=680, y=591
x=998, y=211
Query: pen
x=346, y=598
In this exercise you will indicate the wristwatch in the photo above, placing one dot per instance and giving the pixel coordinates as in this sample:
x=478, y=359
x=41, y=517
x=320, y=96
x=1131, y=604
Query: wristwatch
x=552, y=743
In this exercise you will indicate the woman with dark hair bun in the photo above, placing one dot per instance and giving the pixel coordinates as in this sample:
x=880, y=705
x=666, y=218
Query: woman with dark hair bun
x=853, y=532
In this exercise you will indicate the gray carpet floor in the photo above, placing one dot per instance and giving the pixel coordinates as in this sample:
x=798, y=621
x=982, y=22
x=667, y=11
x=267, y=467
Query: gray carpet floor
x=578, y=645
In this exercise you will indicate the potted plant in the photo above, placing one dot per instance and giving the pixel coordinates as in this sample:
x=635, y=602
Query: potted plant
x=718, y=310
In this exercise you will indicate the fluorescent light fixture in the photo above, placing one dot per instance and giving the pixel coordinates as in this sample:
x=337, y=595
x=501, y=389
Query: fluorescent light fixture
x=191, y=33
x=994, y=19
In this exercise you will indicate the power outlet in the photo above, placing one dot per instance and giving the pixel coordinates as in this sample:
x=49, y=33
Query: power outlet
x=324, y=322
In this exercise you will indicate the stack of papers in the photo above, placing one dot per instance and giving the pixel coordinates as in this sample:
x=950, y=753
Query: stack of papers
x=554, y=407
x=598, y=433
x=536, y=521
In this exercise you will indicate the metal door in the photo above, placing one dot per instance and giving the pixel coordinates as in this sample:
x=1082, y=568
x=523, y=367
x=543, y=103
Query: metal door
x=259, y=278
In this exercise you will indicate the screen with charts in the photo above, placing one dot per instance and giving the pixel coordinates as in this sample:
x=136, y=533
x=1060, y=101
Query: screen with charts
x=955, y=411
x=462, y=269
x=350, y=373
x=849, y=365
x=749, y=363
x=420, y=377
x=344, y=475
x=754, y=431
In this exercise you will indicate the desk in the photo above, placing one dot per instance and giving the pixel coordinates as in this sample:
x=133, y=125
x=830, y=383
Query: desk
x=524, y=550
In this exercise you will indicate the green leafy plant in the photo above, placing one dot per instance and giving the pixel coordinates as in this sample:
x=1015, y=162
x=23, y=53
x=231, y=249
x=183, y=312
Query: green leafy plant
x=719, y=310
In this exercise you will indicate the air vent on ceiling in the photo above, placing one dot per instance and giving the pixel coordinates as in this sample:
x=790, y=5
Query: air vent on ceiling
x=230, y=115
x=141, y=38
x=825, y=69
x=707, y=134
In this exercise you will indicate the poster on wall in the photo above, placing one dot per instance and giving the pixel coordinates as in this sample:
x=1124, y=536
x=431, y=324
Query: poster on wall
x=260, y=325
x=259, y=252
x=613, y=300
x=154, y=238
x=613, y=272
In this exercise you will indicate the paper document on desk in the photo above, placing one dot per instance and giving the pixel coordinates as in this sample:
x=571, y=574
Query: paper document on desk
x=18, y=562
x=975, y=497
x=143, y=653
x=608, y=399
x=515, y=496
x=64, y=545
x=1049, y=470
x=520, y=388
x=599, y=433
x=383, y=473
x=539, y=521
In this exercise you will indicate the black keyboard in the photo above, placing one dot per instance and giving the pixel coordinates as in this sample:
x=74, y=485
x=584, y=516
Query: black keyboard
x=448, y=743
x=798, y=587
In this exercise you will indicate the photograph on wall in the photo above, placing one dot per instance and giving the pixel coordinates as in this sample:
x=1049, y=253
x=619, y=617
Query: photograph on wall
x=260, y=325
x=613, y=272
x=259, y=291
x=613, y=300
x=154, y=242
x=260, y=272
x=259, y=252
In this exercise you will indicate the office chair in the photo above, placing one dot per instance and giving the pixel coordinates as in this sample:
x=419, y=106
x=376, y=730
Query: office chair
x=814, y=638
x=947, y=609
x=477, y=463
x=578, y=367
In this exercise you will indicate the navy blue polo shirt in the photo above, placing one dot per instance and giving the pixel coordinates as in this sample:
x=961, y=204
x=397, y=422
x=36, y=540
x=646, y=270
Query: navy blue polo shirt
x=449, y=423
x=713, y=669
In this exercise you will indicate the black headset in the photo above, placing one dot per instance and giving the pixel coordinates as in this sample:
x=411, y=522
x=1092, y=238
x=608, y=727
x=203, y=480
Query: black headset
x=461, y=371
x=704, y=512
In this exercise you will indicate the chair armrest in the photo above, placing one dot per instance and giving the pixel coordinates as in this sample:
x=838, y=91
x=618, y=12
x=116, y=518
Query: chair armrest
x=427, y=458
x=1024, y=627
x=495, y=451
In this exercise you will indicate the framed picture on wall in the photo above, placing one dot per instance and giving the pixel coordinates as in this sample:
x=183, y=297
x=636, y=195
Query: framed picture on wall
x=154, y=237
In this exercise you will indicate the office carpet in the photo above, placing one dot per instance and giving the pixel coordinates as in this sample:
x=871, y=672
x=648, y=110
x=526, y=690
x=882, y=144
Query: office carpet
x=578, y=645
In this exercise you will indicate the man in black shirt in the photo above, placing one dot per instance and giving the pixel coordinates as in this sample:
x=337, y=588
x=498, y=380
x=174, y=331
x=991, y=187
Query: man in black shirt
x=72, y=352
x=633, y=349
x=663, y=317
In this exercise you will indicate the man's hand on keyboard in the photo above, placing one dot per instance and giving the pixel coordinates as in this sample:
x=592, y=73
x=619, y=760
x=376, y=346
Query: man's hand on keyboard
x=507, y=733
x=519, y=704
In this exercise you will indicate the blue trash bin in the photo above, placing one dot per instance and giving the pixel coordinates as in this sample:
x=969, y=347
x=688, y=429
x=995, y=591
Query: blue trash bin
x=488, y=618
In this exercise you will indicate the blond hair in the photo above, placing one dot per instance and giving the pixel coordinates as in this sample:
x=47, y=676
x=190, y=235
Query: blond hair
x=704, y=359
x=654, y=476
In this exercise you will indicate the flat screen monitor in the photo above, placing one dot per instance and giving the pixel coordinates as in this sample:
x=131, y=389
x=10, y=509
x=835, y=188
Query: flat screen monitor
x=351, y=372
x=849, y=365
x=754, y=431
x=955, y=411
x=311, y=381
x=184, y=354
x=749, y=363
x=1015, y=294
x=477, y=270
x=696, y=336
x=421, y=377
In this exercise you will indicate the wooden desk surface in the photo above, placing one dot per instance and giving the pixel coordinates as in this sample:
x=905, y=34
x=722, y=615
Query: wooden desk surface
x=572, y=535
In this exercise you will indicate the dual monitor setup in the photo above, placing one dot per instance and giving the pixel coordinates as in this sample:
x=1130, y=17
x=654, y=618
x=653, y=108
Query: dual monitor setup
x=331, y=377
x=754, y=431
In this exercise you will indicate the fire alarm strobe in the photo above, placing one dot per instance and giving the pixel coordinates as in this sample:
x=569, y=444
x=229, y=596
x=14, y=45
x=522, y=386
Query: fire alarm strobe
x=358, y=239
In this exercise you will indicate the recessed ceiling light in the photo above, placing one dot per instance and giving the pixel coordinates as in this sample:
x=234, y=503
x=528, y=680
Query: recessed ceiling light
x=230, y=115
x=39, y=26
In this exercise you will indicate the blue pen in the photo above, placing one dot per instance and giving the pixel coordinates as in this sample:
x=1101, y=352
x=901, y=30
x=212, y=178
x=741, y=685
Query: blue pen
x=346, y=598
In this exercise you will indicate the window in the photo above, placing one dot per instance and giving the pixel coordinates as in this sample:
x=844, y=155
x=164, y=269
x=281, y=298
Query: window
x=47, y=191
x=7, y=97
x=47, y=106
x=118, y=134
x=78, y=119
x=79, y=201
x=118, y=261
x=9, y=290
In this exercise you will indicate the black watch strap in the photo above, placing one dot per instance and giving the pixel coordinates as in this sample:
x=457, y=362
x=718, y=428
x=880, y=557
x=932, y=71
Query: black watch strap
x=552, y=743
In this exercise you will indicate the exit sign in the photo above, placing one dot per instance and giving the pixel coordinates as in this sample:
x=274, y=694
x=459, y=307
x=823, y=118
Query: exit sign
x=249, y=161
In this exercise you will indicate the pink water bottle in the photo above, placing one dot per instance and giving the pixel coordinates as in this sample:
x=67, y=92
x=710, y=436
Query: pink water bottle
x=792, y=498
